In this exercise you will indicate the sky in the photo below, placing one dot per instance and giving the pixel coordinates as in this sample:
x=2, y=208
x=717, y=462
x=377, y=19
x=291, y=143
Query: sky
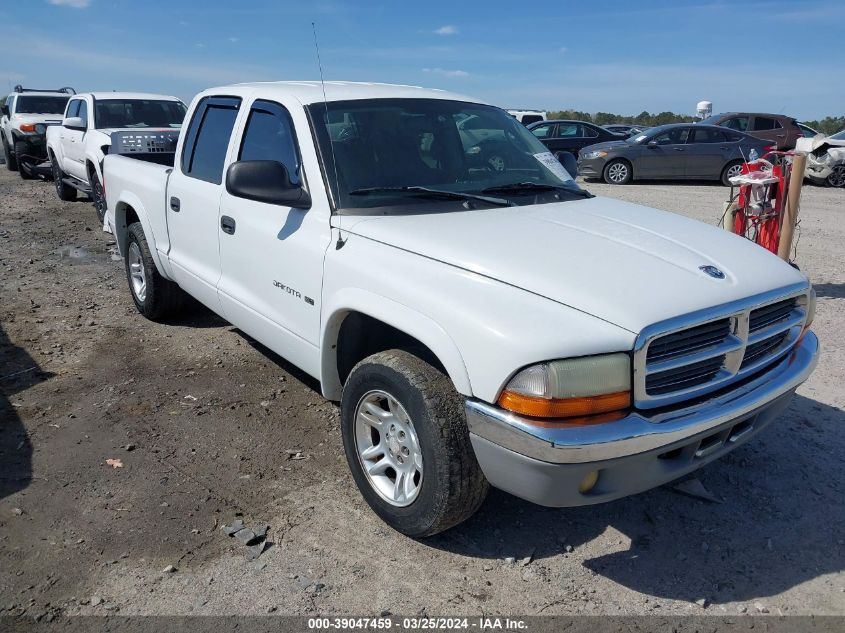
x=611, y=56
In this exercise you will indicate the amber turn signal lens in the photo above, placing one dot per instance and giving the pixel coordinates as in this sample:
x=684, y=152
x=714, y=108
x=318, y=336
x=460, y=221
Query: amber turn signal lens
x=28, y=127
x=564, y=407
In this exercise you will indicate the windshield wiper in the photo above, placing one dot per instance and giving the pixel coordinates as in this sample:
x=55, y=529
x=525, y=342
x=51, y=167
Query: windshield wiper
x=528, y=187
x=425, y=192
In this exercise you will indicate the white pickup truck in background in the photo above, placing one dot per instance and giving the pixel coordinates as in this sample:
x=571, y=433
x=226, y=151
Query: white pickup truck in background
x=479, y=325
x=76, y=147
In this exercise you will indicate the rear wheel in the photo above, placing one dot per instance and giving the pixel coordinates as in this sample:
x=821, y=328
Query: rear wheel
x=21, y=150
x=617, y=172
x=63, y=190
x=11, y=162
x=154, y=296
x=837, y=177
x=407, y=444
x=731, y=170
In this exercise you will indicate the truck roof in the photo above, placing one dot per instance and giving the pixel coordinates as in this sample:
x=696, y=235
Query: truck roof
x=128, y=95
x=307, y=92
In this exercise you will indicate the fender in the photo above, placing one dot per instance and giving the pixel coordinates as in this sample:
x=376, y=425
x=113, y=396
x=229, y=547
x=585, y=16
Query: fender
x=403, y=318
x=128, y=199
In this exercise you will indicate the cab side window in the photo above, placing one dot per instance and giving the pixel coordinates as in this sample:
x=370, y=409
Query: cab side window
x=207, y=138
x=269, y=135
x=83, y=112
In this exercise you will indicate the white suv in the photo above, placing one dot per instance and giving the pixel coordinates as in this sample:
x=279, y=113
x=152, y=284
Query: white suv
x=26, y=114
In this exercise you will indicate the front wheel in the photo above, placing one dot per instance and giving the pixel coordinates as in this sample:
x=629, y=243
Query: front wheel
x=11, y=161
x=407, y=444
x=63, y=190
x=617, y=172
x=837, y=177
x=731, y=170
x=98, y=197
x=21, y=150
x=154, y=296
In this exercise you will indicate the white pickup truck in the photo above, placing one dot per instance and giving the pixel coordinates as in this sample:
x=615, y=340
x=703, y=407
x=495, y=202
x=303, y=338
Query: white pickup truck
x=76, y=148
x=479, y=326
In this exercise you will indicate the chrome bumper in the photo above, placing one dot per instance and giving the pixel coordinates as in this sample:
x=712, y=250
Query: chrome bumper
x=639, y=432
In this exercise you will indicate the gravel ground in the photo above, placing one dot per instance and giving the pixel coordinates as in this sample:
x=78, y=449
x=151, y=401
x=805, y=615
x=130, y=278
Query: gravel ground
x=206, y=425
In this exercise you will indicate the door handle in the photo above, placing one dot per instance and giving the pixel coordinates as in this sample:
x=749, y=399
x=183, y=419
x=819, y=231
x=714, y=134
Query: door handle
x=678, y=149
x=175, y=204
x=781, y=135
x=227, y=224
x=724, y=148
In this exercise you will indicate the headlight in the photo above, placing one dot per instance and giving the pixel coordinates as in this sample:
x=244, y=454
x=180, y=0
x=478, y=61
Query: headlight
x=40, y=128
x=572, y=387
x=595, y=154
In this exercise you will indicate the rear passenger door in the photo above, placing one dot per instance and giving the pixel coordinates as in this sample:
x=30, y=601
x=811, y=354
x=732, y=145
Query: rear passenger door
x=272, y=255
x=193, y=198
x=707, y=153
x=769, y=129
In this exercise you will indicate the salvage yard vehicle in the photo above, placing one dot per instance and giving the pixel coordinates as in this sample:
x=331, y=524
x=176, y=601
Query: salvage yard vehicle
x=825, y=159
x=26, y=115
x=781, y=130
x=478, y=326
x=679, y=151
x=77, y=147
x=570, y=136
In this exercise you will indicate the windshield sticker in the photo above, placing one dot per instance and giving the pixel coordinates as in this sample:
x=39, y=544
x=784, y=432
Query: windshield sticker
x=640, y=138
x=551, y=163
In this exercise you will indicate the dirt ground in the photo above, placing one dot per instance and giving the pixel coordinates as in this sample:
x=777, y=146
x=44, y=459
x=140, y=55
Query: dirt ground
x=206, y=424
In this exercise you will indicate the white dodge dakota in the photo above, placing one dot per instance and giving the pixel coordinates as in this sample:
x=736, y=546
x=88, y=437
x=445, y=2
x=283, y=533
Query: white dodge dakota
x=481, y=318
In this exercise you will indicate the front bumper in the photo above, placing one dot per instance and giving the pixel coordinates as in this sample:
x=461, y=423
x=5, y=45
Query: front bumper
x=545, y=465
x=36, y=146
x=591, y=167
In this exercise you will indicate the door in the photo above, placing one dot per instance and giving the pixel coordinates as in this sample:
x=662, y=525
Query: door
x=769, y=129
x=73, y=150
x=568, y=137
x=708, y=151
x=193, y=198
x=664, y=155
x=272, y=255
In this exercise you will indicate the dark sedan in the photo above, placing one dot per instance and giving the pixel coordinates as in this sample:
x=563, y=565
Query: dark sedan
x=672, y=152
x=569, y=136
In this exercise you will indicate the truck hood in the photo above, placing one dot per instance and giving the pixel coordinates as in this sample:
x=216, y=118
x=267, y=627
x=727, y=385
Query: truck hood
x=624, y=263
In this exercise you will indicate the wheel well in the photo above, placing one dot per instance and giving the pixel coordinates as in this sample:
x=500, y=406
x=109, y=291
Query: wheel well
x=91, y=171
x=361, y=336
x=124, y=216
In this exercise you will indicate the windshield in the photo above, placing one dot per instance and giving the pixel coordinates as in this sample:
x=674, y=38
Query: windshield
x=40, y=105
x=713, y=119
x=839, y=136
x=140, y=113
x=390, y=153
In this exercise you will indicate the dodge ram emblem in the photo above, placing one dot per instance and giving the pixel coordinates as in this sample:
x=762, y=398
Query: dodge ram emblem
x=712, y=271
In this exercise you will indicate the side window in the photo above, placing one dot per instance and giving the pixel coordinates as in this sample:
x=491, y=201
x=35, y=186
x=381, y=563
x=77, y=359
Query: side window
x=568, y=130
x=675, y=136
x=762, y=123
x=542, y=131
x=73, y=108
x=269, y=135
x=701, y=135
x=207, y=138
x=739, y=123
x=83, y=112
x=588, y=132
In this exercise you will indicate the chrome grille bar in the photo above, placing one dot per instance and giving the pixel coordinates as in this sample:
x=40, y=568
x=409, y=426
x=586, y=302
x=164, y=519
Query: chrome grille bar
x=695, y=354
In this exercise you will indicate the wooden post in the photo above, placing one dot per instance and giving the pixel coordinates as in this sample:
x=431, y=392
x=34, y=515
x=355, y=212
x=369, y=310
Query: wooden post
x=790, y=212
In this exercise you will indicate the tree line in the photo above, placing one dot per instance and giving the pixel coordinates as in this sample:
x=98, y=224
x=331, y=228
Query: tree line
x=828, y=125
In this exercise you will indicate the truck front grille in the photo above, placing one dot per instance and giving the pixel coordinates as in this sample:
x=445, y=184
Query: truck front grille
x=692, y=355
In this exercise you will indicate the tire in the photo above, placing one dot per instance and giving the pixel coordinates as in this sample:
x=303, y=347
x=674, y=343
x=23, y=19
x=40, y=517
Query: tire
x=729, y=171
x=154, y=296
x=836, y=177
x=617, y=172
x=98, y=197
x=447, y=485
x=64, y=191
x=11, y=161
x=22, y=149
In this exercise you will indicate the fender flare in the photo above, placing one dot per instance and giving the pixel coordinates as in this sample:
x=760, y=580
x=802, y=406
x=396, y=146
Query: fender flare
x=397, y=315
x=125, y=200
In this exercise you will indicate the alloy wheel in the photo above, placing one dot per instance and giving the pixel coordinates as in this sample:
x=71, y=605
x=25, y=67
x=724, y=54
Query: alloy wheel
x=137, y=275
x=617, y=173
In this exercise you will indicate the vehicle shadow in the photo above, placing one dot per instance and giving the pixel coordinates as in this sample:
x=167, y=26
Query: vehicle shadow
x=18, y=371
x=781, y=521
x=834, y=291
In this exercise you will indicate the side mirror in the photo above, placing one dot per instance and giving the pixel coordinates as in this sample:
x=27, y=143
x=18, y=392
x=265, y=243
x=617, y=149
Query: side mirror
x=651, y=143
x=265, y=181
x=569, y=163
x=74, y=123
x=4, y=109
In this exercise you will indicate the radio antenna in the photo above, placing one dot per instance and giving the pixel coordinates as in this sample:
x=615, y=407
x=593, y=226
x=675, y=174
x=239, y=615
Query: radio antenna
x=340, y=240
